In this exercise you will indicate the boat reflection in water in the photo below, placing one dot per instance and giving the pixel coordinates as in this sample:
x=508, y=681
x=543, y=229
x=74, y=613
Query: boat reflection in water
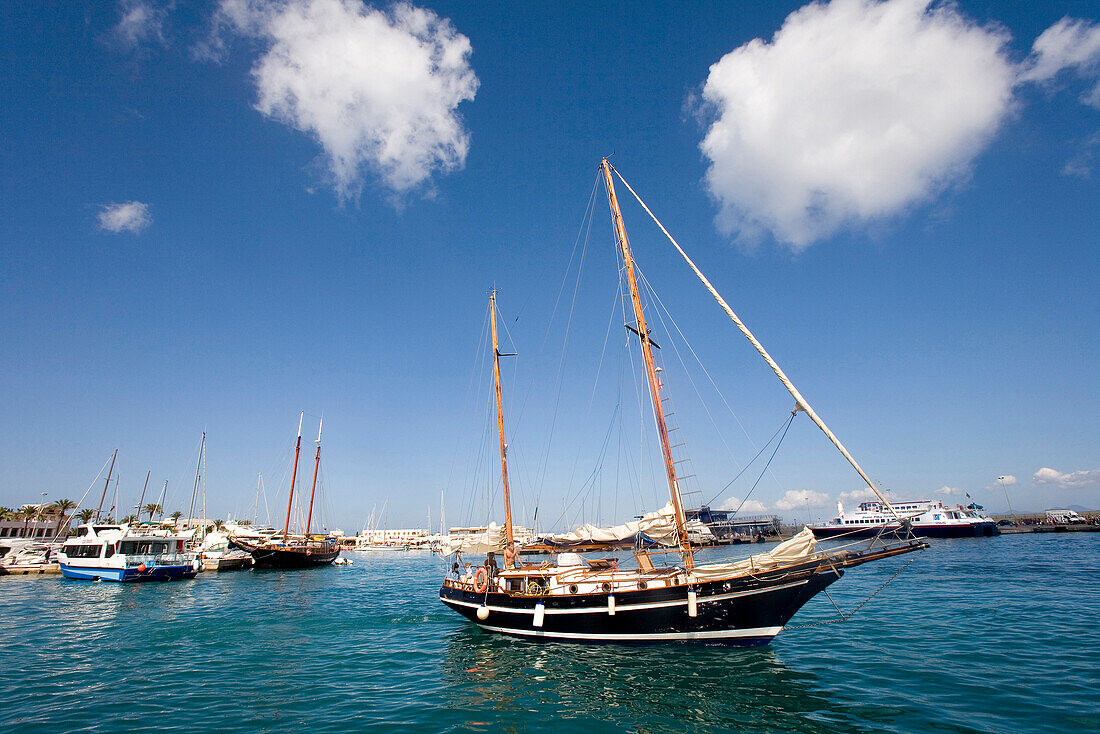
x=745, y=602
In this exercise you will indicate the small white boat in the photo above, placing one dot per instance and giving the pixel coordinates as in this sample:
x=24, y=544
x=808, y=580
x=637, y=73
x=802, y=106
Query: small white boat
x=26, y=557
x=219, y=554
x=113, y=553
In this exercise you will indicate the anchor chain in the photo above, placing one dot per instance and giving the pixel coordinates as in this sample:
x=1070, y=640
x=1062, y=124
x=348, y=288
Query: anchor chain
x=845, y=617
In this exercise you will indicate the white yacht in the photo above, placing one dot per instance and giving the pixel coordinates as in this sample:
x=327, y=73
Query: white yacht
x=929, y=519
x=115, y=553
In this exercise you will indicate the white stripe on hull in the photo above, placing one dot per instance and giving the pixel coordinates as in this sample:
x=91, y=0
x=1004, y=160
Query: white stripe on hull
x=629, y=607
x=755, y=632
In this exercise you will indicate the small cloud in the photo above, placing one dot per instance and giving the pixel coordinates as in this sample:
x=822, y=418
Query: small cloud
x=749, y=506
x=1073, y=480
x=794, y=500
x=378, y=90
x=859, y=495
x=133, y=216
x=1069, y=44
x=1081, y=164
x=141, y=22
x=1007, y=480
x=946, y=491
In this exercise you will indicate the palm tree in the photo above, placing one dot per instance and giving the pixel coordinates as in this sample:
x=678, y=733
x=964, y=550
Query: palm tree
x=85, y=516
x=26, y=514
x=153, y=509
x=129, y=519
x=63, y=506
x=176, y=516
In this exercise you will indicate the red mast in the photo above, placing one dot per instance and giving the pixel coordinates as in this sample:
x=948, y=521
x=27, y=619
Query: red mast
x=316, y=466
x=293, y=477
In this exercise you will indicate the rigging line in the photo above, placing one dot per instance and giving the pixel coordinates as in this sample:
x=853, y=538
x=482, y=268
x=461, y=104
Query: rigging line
x=661, y=312
x=799, y=400
x=590, y=480
x=469, y=402
x=785, y=422
x=710, y=379
x=777, y=445
x=89, y=489
x=588, y=411
x=587, y=226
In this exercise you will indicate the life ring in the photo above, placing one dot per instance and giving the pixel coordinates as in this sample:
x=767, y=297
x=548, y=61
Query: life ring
x=481, y=580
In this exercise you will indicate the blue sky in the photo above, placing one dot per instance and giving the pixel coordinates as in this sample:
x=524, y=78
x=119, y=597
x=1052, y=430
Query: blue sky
x=217, y=215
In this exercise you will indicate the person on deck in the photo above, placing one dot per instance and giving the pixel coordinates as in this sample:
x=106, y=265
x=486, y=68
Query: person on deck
x=491, y=564
x=510, y=555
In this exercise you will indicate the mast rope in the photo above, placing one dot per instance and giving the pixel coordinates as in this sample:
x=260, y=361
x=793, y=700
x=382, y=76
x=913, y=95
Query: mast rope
x=584, y=229
x=783, y=427
x=765, y=469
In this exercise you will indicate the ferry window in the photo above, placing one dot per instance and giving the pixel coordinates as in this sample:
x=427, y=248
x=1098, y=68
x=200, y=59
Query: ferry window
x=110, y=550
x=126, y=548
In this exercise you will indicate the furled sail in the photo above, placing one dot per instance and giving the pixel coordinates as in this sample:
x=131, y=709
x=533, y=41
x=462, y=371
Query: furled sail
x=490, y=540
x=802, y=546
x=654, y=527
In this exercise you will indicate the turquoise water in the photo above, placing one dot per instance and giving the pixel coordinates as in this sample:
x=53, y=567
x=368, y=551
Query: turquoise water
x=982, y=635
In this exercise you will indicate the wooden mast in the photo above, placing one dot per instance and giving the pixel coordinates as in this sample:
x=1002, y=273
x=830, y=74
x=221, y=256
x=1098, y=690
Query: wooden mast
x=651, y=371
x=105, y=485
x=800, y=401
x=293, y=477
x=508, y=538
x=316, y=466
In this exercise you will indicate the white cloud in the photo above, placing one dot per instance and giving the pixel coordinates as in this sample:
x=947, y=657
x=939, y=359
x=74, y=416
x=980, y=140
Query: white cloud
x=378, y=90
x=133, y=216
x=140, y=22
x=858, y=495
x=1073, y=480
x=1068, y=44
x=794, y=500
x=950, y=491
x=855, y=110
x=750, y=506
x=1008, y=480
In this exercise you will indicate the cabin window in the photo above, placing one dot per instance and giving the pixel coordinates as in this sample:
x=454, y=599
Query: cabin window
x=110, y=550
x=82, y=551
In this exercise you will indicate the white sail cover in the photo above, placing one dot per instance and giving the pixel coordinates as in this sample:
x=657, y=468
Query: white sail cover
x=799, y=548
x=490, y=540
x=659, y=526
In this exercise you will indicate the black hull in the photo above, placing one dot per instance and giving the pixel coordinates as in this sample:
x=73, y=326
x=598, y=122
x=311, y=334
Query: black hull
x=973, y=530
x=742, y=611
x=290, y=556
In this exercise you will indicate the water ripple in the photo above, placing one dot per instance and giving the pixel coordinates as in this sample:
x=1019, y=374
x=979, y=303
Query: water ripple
x=976, y=636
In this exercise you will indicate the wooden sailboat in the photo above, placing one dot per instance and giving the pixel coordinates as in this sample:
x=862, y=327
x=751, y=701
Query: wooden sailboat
x=746, y=602
x=293, y=551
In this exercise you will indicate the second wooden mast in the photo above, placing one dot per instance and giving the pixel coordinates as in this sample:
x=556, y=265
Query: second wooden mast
x=508, y=538
x=293, y=478
x=651, y=371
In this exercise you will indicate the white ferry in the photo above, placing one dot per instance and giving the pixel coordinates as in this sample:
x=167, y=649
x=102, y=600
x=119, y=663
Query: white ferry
x=928, y=519
x=114, y=553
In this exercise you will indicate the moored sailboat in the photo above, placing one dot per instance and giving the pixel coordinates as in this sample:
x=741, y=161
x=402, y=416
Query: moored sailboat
x=293, y=551
x=745, y=602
